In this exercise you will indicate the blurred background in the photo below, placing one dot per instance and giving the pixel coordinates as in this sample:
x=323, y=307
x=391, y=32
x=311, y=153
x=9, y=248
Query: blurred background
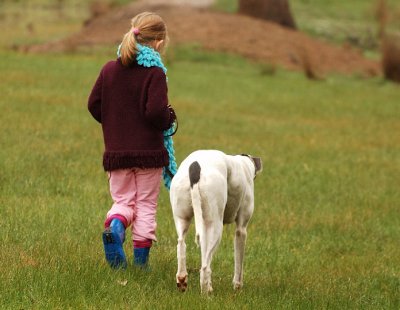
x=313, y=36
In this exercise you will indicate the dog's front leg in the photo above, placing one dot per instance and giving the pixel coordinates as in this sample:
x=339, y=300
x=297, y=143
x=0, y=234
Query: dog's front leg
x=240, y=242
x=242, y=220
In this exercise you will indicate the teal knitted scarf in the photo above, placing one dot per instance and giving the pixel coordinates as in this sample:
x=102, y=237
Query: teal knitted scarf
x=148, y=57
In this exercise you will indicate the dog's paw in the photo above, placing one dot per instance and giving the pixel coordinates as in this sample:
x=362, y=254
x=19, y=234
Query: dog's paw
x=237, y=285
x=181, y=283
x=206, y=290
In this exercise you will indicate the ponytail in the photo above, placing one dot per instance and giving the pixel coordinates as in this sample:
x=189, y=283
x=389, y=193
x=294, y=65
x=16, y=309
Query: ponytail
x=128, y=48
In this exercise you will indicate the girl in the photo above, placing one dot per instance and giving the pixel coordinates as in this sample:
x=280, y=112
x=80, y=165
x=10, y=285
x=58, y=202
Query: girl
x=130, y=101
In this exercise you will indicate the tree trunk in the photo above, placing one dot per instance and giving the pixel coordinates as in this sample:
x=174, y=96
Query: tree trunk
x=277, y=11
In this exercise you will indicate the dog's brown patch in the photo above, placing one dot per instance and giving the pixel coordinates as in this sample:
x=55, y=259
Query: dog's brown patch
x=182, y=283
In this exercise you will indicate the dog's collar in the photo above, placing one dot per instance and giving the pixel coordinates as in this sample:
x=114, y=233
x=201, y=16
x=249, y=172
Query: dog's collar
x=252, y=160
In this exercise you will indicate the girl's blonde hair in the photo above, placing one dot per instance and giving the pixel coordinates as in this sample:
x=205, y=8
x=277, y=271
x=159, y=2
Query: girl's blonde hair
x=146, y=28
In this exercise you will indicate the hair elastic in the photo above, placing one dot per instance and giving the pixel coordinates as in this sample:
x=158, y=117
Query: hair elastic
x=135, y=31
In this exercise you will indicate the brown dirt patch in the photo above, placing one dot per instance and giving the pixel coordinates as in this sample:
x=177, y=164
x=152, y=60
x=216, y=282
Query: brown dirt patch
x=252, y=38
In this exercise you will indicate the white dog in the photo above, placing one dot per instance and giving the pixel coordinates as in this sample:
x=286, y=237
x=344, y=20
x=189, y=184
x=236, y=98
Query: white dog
x=216, y=189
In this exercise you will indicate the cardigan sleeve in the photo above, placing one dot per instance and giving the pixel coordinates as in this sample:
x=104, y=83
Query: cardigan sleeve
x=94, y=101
x=157, y=111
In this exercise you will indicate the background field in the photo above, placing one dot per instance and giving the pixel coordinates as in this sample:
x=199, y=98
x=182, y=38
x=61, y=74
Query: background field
x=333, y=20
x=326, y=229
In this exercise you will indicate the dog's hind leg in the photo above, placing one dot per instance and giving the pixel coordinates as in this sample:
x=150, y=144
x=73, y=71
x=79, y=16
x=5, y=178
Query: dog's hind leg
x=183, y=213
x=209, y=243
x=182, y=226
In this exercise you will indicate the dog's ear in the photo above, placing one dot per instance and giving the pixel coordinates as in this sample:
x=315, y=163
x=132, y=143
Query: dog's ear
x=258, y=164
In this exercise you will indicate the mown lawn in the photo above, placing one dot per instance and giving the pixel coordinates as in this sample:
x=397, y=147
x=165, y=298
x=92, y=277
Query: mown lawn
x=326, y=229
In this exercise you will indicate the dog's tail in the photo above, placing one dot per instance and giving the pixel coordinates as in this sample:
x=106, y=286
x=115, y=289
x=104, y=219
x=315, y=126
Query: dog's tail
x=194, y=177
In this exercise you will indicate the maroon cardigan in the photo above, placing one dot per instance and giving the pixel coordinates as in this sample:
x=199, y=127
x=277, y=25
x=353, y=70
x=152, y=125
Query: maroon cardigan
x=131, y=104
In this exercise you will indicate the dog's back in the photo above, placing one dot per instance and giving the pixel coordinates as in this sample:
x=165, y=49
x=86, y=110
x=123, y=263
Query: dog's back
x=212, y=178
x=200, y=167
x=201, y=179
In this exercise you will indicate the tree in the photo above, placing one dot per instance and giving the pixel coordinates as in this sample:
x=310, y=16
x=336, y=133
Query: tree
x=277, y=11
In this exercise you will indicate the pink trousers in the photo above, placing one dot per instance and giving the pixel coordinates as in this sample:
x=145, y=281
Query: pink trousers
x=135, y=194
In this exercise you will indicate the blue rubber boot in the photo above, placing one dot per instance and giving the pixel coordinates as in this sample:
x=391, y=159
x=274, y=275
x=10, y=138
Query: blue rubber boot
x=113, y=240
x=141, y=257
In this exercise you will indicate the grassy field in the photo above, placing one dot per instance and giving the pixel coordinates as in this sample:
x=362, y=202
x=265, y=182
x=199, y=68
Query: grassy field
x=326, y=228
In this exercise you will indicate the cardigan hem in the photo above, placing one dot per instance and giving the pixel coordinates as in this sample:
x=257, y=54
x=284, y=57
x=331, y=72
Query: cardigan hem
x=136, y=159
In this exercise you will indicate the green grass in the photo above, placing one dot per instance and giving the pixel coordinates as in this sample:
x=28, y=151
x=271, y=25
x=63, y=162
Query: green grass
x=326, y=227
